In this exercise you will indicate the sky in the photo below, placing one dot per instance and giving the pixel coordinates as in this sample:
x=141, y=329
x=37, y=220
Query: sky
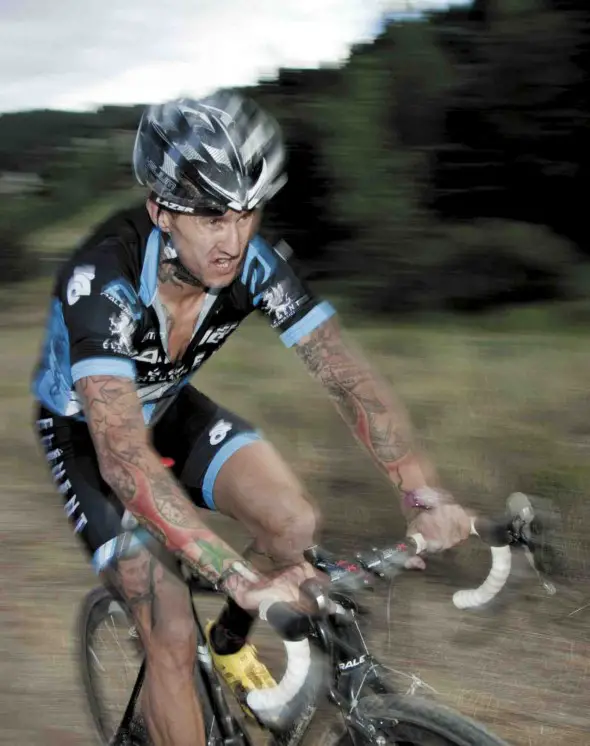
x=79, y=54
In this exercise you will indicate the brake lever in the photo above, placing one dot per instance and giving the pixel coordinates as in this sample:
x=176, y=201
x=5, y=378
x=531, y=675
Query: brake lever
x=547, y=585
x=342, y=576
x=527, y=522
x=313, y=591
x=387, y=563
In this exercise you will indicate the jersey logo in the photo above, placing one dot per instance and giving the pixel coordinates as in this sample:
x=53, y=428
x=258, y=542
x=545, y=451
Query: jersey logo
x=219, y=431
x=152, y=356
x=280, y=304
x=79, y=283
x=121, y=293
x=122, y=328
x=217, y=335
x=258, y=267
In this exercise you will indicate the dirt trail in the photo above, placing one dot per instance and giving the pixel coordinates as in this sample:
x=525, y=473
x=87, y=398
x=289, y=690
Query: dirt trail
x=523, y=667
x=519, y=668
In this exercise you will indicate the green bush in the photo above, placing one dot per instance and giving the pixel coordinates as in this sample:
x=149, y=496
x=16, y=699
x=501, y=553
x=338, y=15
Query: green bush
x=474, y=266
x=16, y=262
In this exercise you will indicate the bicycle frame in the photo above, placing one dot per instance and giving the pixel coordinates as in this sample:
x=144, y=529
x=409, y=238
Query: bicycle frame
x=353, y=671
x=352, y=668
x=339, y=637
x=216, y=712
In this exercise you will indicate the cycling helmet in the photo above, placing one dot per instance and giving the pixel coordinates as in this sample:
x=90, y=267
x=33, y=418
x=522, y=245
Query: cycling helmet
x=208, y=155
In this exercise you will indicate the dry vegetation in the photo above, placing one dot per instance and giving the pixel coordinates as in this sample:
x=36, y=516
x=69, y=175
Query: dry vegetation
x=498, y=410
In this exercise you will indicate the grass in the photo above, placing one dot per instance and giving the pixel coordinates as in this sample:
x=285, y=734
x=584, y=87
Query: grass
x=60, y=237
x=500, y=402
x=498, y=410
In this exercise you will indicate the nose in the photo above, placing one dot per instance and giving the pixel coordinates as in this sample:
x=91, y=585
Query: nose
x=231, y=244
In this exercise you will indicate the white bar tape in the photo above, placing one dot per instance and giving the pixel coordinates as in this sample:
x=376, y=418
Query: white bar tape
x=269, y=704
x=492, y=585
x=421, y=542
x=264, y=607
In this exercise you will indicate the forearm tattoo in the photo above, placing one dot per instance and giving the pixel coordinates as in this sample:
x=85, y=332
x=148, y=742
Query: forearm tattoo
x=146, y=487
x=363, y=400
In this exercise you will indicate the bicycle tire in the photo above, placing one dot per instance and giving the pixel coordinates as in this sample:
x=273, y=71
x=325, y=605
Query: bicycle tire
x=414, y=721
x=94, y=608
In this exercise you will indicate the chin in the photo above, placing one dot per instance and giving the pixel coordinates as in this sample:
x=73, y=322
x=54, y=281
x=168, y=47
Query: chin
x=216, y=281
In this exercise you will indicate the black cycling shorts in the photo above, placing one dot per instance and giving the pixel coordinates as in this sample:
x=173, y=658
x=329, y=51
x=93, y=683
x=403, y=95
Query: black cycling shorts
x=196, y=433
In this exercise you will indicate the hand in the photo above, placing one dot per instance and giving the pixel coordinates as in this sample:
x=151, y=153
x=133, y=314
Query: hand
x=249, y=589
x=442, y=522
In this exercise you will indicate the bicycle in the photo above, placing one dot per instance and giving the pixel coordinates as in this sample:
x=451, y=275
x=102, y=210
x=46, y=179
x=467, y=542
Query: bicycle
x=327, y=656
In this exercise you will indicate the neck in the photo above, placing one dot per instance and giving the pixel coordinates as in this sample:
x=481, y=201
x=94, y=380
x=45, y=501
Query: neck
x=174, y=279
x=176, y=284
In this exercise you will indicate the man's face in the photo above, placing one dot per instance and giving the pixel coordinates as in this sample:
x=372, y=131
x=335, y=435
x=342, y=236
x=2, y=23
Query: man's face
x=212, y=248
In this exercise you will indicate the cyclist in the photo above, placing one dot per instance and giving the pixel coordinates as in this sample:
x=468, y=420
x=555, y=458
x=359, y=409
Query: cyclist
x=135, y=311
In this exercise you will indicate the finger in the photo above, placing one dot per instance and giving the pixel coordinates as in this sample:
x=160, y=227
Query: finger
x=436, y=545
x=415, y=563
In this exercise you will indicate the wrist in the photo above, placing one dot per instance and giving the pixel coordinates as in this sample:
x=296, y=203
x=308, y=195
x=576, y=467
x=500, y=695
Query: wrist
x=239, y=575
x=422, y=498
x=412, y=473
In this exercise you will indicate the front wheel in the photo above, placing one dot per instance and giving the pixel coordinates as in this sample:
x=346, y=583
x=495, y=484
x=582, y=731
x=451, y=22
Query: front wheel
x=412, y=721
x=109, y=656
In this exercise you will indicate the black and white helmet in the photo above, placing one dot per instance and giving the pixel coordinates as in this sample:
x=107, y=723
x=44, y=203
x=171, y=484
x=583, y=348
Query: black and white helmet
x=209, y=155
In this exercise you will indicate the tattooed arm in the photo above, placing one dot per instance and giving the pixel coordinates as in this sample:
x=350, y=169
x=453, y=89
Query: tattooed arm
x=381, y=424
x=132, y=468
x=368, y=406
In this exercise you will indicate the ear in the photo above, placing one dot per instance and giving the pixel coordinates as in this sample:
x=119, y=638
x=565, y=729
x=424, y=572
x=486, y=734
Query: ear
x=160, y=218
x=153, y=210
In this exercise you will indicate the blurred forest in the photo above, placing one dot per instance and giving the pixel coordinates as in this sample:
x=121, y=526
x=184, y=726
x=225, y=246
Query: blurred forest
x=445, y=166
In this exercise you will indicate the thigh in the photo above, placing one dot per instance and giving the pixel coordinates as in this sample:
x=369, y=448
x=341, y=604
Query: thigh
x=93, y=511
x=130, y=561
x=201, y=437
x=258, y=488
x=224, y=464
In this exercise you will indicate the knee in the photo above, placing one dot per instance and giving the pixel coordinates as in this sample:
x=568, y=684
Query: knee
x=291, y=524
x=172, y=646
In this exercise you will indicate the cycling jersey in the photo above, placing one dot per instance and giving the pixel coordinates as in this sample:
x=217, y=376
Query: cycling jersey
x=105, y=316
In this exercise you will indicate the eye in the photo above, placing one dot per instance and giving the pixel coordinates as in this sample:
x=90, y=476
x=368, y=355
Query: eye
x=215, y=221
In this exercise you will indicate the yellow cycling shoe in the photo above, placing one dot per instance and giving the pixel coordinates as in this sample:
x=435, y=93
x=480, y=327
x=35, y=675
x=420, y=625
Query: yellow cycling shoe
x=241, y=671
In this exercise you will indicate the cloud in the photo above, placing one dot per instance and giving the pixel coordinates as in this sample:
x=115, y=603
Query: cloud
x=72, y=54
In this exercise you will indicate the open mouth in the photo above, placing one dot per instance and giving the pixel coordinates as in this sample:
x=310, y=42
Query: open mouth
x=224, y=265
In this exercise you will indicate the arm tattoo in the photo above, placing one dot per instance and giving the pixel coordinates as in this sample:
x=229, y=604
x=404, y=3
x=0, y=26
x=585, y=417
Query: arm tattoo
x=133, y=469
x=364, y=401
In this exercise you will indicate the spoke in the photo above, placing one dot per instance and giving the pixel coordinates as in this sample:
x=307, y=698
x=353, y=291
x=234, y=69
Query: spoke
x=96, y=660
x=417, y=682
x=116, y=638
